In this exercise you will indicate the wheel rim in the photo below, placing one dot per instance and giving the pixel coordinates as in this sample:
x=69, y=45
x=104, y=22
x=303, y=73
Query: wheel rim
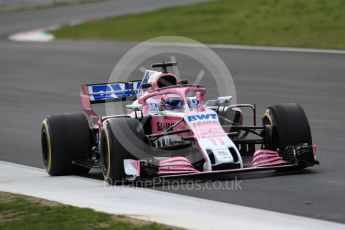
x=268, y=123
x=105, y=154
x=46, y=146
x=267, y=119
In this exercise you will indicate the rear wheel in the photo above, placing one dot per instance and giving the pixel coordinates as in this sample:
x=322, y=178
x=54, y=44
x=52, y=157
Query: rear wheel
x=287, y=125
x=65, y=138
x=117, y=136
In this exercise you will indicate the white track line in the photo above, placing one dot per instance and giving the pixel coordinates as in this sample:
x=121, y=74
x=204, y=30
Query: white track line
x=248, y=47
x=37, y=35
x=162, y=207
x=279, y=49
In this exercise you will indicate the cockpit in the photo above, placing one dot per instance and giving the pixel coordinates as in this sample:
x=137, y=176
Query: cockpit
x=182, y=99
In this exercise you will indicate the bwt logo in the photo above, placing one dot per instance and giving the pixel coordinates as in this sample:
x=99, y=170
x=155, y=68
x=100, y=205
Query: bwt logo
x=202, y=117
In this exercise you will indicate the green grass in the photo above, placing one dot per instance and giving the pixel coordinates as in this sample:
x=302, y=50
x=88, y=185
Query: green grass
x=20, y=212
x=294, y=23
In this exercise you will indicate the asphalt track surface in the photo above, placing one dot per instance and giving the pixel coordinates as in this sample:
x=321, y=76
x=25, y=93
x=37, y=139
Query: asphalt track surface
x=38, y=79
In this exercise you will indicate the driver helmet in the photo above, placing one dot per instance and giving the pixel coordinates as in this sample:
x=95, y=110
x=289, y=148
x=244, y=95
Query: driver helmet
x=171, y=102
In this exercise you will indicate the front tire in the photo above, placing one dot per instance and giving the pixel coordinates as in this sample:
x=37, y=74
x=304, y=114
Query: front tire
x=287, y=126
x=114, y=150
x=65, y=138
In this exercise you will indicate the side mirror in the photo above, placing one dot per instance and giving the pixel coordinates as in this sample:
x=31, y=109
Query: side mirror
x=220, y=100
x=137, y=107
x=138, y=110
x=225, y=99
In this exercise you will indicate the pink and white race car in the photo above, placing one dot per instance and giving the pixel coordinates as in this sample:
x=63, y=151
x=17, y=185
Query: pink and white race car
x=170, y=131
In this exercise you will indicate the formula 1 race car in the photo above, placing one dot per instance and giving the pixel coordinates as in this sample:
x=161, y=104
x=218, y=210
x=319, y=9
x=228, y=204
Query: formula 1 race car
x=170, y=131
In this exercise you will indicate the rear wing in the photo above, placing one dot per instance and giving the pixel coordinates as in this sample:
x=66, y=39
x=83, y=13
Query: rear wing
x=111, y=92
x=108, y=92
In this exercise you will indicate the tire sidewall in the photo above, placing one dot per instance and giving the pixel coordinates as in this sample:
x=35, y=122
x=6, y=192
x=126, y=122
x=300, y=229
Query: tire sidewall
x=68, y=138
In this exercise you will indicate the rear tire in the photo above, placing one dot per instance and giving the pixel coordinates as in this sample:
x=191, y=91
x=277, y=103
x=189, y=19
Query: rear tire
x=113, y=151
x=65, y=138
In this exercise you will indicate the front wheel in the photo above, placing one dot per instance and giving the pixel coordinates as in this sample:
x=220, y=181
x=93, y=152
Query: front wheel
x=118, y=135
x=287, y=126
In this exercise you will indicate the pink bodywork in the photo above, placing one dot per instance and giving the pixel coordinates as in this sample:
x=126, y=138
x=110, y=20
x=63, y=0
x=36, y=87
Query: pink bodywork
x=265, y=157
x=175, y=165
x=159, y=122
x=85, y=102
